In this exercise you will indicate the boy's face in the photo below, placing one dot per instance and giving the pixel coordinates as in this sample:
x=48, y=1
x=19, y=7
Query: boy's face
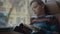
x=37, y=8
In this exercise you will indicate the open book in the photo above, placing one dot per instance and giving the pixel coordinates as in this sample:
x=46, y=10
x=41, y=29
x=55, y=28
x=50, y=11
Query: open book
x=30, y=27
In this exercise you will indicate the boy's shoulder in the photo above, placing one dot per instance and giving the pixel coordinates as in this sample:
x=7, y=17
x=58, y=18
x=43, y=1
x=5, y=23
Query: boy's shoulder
x=50, y=16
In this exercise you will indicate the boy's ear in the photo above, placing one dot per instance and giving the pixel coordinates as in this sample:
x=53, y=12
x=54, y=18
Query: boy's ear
x=43, y=5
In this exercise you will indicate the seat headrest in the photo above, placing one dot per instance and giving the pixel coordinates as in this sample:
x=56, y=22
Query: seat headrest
x=53, y=7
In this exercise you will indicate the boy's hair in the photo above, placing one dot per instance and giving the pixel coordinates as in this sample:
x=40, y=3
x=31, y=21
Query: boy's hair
x=38, y=1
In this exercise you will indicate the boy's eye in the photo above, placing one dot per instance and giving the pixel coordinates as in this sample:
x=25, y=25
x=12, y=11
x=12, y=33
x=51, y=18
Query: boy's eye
x=35, y=7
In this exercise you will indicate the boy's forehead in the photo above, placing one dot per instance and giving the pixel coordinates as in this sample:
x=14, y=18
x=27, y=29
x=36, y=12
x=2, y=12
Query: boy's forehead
x=34, y=4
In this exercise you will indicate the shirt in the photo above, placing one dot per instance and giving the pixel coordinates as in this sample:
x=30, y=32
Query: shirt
x=48, y=23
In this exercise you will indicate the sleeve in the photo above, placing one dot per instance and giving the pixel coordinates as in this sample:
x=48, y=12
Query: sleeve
x=53, y=26
x=32, y=20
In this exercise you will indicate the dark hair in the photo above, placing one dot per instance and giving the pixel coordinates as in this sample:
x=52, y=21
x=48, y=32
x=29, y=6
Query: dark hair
x=41, y=2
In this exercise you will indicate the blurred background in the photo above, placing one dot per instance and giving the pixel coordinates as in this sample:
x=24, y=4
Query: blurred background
x=14, y=12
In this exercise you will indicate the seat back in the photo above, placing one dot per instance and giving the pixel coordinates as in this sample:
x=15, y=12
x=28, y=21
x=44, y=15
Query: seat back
x=54, y=10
